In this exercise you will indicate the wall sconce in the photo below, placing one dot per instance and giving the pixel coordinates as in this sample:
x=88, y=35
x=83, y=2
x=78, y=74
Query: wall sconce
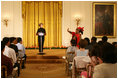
x=5, y=21
x=77, y=21
x=77, y=18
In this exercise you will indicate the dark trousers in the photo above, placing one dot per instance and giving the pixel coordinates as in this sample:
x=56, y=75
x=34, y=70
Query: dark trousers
x=23, y=63
x=17, y=65
x=41, y=45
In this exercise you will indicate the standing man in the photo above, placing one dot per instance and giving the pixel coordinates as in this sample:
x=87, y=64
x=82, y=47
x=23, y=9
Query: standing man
x=41, y=36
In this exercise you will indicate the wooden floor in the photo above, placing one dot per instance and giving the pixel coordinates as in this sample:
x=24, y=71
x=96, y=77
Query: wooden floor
x=50, y=65
x=50, y=56
x=48, y=52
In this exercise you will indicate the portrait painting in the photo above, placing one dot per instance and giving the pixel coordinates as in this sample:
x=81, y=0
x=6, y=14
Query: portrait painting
x=104, y=19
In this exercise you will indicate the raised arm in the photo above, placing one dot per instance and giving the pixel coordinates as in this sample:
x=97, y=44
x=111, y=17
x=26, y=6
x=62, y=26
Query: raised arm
x=69, y=31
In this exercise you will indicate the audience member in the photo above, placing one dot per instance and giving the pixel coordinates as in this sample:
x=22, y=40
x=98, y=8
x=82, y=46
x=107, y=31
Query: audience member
x=100, y=43
x=104, y=39
x=104, y=59
x=89, y=46
x=21, y=50
x=12, y=45
x=6, y=61
x=82, y=51
x=8, y=51
x=93, y=40
x=71, y=48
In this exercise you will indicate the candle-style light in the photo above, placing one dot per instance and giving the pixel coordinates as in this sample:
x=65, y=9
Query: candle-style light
x=77, y=18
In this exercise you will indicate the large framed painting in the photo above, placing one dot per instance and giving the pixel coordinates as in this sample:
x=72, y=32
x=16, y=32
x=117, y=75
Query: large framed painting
x=104, y=19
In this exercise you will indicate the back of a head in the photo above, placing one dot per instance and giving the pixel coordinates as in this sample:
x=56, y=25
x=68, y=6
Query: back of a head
x=82, y=43
x=12, y=39
x=6, y=40
x=104, y=38
x=73, y=42
x=87, y=39
x=19, y=39
x=109, y=53
x=96, y=51
x=100, y=43
x=2, y=45
x=94, y=39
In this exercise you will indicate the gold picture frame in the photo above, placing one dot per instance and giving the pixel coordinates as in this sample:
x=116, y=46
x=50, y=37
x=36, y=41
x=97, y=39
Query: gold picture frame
x=104, y=19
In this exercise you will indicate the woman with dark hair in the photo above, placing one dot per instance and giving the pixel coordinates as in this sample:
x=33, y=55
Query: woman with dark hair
x=82, y=51
x=77, y=34
x=41, y=38
x=104, y=60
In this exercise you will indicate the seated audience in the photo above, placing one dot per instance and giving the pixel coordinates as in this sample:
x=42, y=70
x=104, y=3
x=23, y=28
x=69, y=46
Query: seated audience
x=104, y=39
x=89, y=46
x=12, y=45
x=104, y=60
x=82, y=51
x=8, y=51
x=21, y=50
x=5, y=60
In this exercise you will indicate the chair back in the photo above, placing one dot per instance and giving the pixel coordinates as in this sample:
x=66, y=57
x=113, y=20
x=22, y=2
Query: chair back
x=3, y=71
x=80, y=63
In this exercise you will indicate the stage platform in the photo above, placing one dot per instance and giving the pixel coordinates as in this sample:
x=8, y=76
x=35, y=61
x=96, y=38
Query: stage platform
x=50, y=56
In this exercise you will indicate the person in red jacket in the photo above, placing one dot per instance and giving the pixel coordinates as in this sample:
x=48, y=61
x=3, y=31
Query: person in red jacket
x=77, y=34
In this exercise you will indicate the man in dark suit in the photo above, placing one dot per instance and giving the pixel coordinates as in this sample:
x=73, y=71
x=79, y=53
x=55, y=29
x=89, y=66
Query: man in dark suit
x=41, y=38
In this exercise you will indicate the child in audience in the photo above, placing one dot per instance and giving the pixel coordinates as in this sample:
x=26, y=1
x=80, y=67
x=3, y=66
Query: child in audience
x=21, y=50
x=82, y=51
x=72, y=48
x=104, y=60
x=77, y=34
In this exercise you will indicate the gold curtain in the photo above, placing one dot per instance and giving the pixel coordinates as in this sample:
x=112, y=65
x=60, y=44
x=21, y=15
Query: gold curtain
x=47, y=12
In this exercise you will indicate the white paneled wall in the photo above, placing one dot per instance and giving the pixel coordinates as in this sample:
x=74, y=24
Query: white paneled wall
x=13, y=10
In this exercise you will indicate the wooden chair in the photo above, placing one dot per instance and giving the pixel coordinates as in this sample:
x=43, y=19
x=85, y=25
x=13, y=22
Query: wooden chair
x=68, y=64
x=79, y=65
x=3, y=71
x=78, y=70
x=20, y=61
x=90, y=70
